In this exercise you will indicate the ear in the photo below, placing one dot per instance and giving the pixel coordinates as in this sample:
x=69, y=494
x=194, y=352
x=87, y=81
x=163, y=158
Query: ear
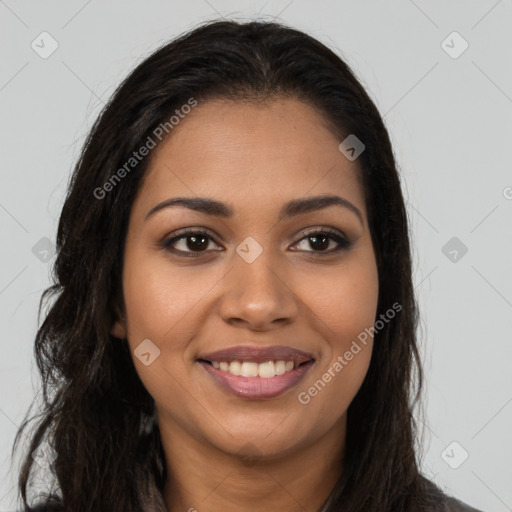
x=119, y=329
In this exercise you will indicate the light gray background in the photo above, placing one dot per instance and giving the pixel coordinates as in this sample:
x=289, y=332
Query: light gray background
x=450, y=122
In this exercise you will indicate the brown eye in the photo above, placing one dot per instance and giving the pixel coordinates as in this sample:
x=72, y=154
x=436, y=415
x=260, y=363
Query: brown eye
x=321, y=240
x=189, y=242
x=196, y=242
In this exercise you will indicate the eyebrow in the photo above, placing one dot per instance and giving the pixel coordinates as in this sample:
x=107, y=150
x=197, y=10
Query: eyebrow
x=290, y=209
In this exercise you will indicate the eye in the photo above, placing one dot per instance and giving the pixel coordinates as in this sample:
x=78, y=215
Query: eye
x=320, y=240
x=191, y=241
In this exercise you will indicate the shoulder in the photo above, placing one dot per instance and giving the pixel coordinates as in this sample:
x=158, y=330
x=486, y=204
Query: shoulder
x=455, y=505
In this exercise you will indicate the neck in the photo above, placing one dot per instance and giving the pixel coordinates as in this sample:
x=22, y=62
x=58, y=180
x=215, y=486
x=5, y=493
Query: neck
x=202, y=478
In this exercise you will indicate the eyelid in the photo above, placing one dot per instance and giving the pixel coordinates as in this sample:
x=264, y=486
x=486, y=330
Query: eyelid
x=322, y=229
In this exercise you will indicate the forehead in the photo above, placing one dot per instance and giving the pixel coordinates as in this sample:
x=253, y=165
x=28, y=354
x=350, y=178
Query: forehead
x=255, y=153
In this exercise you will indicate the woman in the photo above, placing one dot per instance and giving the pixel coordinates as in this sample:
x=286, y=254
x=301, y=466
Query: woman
x=234, y=317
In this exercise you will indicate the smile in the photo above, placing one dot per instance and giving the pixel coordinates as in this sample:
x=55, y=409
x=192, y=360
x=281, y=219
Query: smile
x=253, y=380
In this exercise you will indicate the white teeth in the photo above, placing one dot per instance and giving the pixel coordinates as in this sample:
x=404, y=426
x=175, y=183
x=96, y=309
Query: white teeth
x=266, y=370
x=249, y=369
x=279, y=367
x=235, y=367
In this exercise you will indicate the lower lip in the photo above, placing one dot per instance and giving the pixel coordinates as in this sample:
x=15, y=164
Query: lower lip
x=257, y=387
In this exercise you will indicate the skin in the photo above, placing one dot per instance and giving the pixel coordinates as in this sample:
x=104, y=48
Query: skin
x=224, y=452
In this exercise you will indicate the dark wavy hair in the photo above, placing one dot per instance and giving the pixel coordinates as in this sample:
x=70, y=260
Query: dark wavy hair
x=96, y=413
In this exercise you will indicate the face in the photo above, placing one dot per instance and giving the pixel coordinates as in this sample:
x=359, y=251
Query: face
x=265, y=268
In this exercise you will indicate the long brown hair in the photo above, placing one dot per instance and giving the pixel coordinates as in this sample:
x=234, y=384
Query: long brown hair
x=97, y=415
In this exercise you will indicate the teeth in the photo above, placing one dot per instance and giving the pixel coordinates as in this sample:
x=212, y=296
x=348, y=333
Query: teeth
x=266, y=370
x=280, y=367
x=235, y=367
x=249, y=369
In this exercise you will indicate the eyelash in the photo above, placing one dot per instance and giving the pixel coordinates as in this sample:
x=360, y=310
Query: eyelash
x=343, y=243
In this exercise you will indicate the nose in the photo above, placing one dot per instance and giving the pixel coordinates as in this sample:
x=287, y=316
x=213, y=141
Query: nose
x=258, y=295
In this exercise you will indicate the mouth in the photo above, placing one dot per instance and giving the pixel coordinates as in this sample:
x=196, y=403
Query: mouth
x=257, y=373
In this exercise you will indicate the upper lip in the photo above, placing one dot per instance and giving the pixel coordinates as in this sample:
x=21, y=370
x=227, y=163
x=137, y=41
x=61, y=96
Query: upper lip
x=258, y=354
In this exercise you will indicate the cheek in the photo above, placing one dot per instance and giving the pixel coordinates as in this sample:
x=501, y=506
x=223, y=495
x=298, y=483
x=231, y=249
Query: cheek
x=347, y=311
x=352, y=311
x=160, y=299
x=165, y=305
x=346, y=300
